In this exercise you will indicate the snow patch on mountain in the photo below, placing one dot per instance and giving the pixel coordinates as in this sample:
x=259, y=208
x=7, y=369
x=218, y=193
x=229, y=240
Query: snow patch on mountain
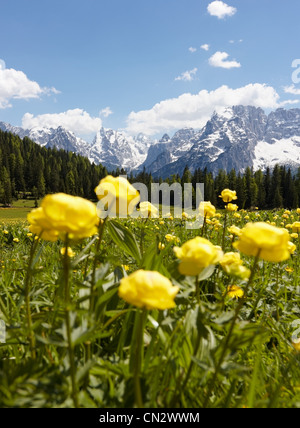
x=284, y=151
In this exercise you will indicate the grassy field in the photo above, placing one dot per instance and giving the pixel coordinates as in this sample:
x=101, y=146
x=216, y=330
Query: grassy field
x=215, y=348
x=18, y=211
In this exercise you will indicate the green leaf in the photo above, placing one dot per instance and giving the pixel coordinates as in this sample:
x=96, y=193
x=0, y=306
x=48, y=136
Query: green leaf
x=124, y=239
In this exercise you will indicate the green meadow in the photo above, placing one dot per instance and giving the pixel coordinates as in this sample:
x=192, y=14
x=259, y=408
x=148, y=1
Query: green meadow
x=214, y=349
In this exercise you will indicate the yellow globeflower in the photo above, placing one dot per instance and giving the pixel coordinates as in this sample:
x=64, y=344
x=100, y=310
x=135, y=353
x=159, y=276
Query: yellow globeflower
x=196, y=255
x=71, y=215
x=118, y=194
x=296, y=346
x=70, y=252
x=207, y=209
x=232, y=207
x=148, y=210
x=271, y=243
x=40, y=225
x=233, y=265
x=62, y=214
x=234, y=230
x=234, y=292
x=296, y=227
x=172, y=238
x=291, y=247
x=149, y=290
x=161, y=246
x=228, y=195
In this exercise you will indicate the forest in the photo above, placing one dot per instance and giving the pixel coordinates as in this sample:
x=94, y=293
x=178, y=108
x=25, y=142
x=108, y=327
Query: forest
x=29, y=170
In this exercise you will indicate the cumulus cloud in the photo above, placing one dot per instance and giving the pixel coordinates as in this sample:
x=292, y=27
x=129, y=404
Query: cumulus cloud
x=106, y=112
x=187, y=76
x=194, y=111
x=192, y=50
x=219, y=59
x=77, y=121
x=205, y=47
x=15, y=85
x=220, y=9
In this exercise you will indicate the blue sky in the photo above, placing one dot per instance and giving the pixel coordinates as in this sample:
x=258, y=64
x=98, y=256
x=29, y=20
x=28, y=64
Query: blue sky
x=144, y=66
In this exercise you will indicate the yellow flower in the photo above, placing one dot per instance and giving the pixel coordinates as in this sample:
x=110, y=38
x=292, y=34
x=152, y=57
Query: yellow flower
x=271, y=243
x=119, y=195
x=237, y=216
x=228, y=195
x=161, y=246
x=233, y=265
x=234, y=292
x=234, y=230
x=232, y=207
x=71, y=253
x=207, y=209
x=291, y=247
x=196, y=255
x=298, y=210
x=172, y=238
x=62, y=214
x=126, y=268
x=296, y=227
x=289, y=270
x=296, y=346
x=29, y=235
x=148, y=210
x=149, y=290
x=16, y=240
x=295, y=235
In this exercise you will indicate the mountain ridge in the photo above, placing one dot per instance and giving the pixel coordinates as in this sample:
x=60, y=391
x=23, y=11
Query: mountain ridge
x=234, y=138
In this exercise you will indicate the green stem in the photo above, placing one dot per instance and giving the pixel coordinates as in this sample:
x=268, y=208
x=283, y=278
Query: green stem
x=66, y=261
x=143, y=236
x=27, y=289
x=93, y=281
x=191, y=366
x=229, y=335
x=203, y=227
x=224, y=231
x=198, y=290
x=139, y=360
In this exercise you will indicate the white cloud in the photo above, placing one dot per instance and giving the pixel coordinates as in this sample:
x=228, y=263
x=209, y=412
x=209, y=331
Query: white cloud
x=187, y=76
x=106, y=112
x=194, y=111
x=15, y=85
x=219, y=59
x=292, y=90
x=192, y=50
x=205, y=47
x=77, y=121
x=220, y=9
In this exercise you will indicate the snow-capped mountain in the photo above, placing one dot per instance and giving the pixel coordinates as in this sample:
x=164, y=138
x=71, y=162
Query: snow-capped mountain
x=116, y=150
x=49, y=137
x=234, y=138
x=112, y=149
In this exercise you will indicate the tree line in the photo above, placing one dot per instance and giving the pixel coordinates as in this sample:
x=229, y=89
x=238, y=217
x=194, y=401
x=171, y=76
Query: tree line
x=29, y=170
